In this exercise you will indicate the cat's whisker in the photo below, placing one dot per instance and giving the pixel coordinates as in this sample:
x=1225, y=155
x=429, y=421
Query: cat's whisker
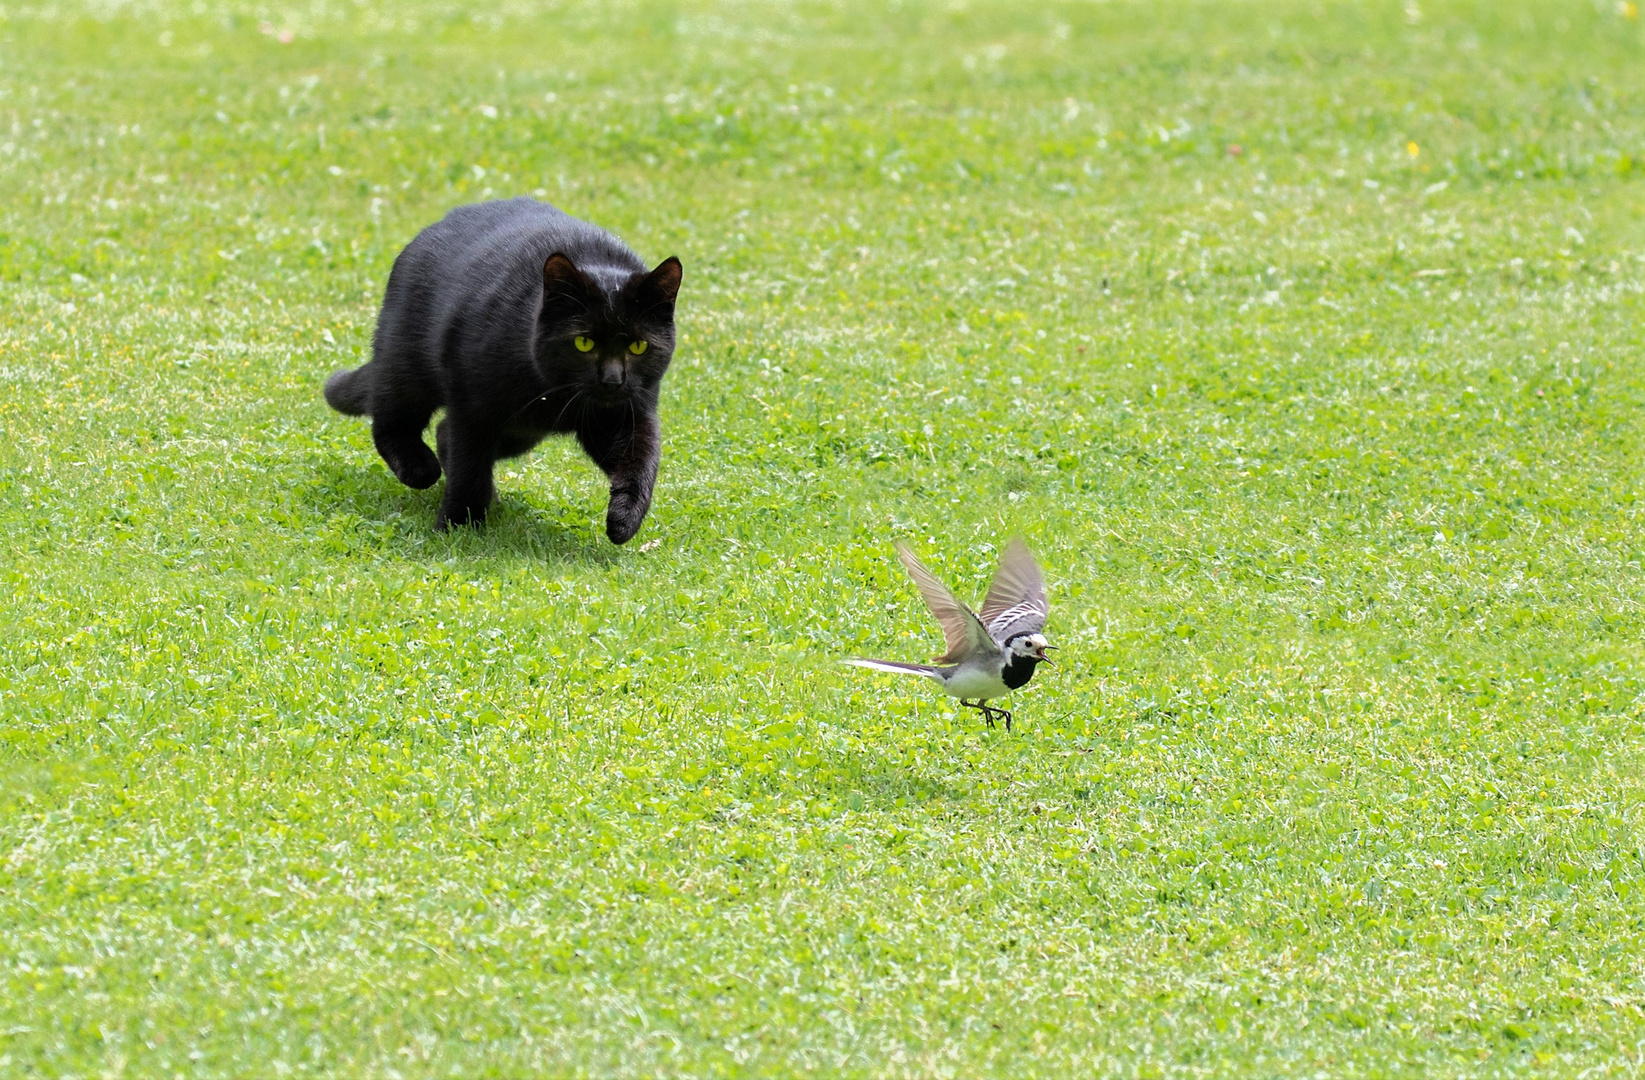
x=540, y=397
x=515, y=415
x=567, y=405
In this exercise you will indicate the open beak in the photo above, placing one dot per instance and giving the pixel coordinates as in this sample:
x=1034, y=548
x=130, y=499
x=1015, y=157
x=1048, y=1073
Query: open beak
x=1047, y=659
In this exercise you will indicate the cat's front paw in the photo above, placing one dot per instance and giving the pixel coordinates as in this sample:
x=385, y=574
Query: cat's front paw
x=623, y=516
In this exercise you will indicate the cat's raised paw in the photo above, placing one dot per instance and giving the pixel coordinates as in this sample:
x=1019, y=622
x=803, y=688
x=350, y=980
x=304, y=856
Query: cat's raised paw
x=623, y=518
x=415, y=470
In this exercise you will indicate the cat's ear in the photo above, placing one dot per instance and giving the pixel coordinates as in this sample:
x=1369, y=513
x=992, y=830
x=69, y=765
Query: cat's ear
x=562, y=279
x=663, y=284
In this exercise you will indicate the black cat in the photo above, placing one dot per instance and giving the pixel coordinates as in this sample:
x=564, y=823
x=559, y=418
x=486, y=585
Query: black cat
x=520, y=321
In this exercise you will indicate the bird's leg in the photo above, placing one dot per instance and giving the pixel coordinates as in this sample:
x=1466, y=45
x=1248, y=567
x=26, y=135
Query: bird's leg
x=987, y=713
x=991, y=712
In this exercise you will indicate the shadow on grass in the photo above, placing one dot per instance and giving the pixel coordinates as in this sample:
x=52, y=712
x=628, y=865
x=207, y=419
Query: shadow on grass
x=367, y=509
x=878, y=781
x=51, y=782
x=883, y=785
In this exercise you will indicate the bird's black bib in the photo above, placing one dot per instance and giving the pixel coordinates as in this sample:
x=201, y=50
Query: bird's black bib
x=1018, y=671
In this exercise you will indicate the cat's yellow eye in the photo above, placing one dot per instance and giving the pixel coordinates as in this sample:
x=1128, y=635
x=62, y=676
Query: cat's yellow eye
x=583, y=344
x=637, y=347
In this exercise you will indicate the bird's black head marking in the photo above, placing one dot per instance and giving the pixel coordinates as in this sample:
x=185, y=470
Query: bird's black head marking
x=1023, y=653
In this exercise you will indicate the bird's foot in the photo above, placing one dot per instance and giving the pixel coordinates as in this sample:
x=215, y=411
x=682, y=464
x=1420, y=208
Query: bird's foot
x=987, y=713
x=991, y=713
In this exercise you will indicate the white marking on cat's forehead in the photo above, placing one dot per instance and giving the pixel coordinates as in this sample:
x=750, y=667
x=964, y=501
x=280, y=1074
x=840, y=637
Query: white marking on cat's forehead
x=609, y=278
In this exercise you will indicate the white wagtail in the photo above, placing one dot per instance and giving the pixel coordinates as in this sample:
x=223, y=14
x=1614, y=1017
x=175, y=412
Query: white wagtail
x=991, y=654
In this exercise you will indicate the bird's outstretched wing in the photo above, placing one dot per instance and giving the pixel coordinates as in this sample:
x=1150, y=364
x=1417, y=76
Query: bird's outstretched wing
x=964, y=633
x=1016, y=601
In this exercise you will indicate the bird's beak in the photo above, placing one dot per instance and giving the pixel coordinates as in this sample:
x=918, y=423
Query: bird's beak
x=1047, y=659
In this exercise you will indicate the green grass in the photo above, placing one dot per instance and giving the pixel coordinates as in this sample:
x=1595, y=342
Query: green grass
x=1331, y=447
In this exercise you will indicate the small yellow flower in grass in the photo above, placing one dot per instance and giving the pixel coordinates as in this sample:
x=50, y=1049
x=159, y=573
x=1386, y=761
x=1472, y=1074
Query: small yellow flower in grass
x=1413, y=149
x=1628, y=8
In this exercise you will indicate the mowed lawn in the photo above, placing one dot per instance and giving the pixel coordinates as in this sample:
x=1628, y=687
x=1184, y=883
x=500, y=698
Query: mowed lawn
x=1302, y=340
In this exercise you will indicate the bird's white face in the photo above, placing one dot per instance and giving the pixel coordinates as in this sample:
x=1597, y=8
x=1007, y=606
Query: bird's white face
x=1032, y=645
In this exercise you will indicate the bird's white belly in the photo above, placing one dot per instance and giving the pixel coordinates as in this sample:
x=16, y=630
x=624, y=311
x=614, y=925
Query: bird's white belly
x=976, y=684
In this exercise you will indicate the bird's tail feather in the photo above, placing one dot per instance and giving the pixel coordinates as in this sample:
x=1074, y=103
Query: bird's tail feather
x=898, y=669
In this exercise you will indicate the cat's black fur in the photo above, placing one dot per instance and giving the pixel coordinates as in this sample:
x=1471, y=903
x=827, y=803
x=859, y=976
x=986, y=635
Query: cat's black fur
x=480, y=318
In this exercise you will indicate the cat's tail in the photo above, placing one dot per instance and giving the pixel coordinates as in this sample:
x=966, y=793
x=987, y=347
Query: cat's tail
x=349, y=392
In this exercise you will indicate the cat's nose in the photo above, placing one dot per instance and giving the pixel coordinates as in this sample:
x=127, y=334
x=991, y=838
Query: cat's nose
x=611, y=375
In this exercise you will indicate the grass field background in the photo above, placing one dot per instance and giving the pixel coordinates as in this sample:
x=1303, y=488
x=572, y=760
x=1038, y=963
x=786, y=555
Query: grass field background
x=1303, y=342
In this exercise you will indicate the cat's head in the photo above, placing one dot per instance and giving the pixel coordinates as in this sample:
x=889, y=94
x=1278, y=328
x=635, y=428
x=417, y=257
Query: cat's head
x=608, y=336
